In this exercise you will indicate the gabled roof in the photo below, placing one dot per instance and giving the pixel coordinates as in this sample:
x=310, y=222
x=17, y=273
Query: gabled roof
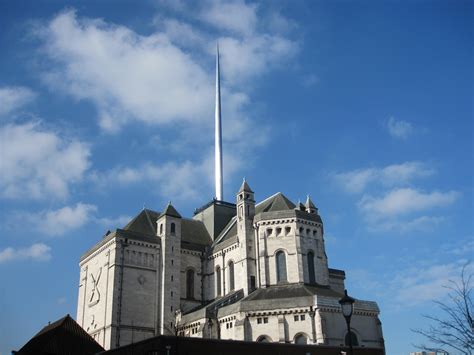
x=277, y=202
x=63, y=336
x=144, y=222
x=171, y=211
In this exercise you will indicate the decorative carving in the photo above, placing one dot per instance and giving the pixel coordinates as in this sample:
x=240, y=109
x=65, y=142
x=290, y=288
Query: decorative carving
x=95, y=294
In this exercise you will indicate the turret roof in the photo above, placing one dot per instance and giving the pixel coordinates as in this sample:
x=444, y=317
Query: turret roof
x=171, y=211
x=245, y=187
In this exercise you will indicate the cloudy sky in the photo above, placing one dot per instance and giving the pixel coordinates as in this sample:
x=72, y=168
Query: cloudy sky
x=107, y=107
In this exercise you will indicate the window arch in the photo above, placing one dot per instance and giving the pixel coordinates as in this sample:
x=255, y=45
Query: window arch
x=353, y=336
x=312, y=277
x=231, y=276
x=190, y=283
x=161, y=228
x=301, y=339
x=264, y=339
x=173, y=228
x=218, y=281
x=281, y=266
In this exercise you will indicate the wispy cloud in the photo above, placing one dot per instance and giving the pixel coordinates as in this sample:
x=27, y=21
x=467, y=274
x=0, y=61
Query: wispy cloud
x=36, y=162
x=36, y=252
x=64, y=220
x=399, y=128
x=356, y=181
x=14, y=97
x=405, y=201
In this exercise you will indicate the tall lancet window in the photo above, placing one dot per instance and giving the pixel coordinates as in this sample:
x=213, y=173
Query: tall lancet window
x=190, y=283
x=231, y=276
x=312, y=278
x=218, y=281
x=173, y=228
x=281, y=266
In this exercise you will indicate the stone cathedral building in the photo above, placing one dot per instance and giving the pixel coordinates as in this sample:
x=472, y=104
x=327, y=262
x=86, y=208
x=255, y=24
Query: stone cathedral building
x=241, y=270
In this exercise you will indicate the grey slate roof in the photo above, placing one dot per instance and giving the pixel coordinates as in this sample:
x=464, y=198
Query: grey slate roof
x=171, y=211
x=245, y=187
x=277, y=202
x=144, y=222
x=194, y=232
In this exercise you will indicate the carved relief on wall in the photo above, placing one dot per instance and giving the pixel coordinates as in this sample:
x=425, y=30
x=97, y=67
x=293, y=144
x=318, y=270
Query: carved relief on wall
x=95, y=293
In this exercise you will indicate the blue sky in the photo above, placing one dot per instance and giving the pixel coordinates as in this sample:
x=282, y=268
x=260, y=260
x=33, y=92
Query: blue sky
x=106, y=107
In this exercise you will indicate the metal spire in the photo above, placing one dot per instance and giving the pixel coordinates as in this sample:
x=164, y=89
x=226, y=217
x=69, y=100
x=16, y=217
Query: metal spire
x=218, y=134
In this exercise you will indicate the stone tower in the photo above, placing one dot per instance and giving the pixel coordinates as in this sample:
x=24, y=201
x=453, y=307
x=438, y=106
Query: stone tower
x=169, y=230
x=246, y=237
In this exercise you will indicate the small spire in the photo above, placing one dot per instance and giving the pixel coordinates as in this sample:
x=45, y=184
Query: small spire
x=171, y=211
x=245, y=187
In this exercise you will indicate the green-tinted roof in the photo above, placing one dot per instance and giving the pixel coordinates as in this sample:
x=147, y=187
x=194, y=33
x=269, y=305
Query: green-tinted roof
x=277, y=202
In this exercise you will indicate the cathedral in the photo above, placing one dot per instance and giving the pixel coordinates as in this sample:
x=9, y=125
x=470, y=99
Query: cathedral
x=237, y=270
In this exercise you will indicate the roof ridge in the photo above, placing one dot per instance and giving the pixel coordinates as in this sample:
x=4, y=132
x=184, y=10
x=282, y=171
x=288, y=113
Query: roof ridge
x=269, y=197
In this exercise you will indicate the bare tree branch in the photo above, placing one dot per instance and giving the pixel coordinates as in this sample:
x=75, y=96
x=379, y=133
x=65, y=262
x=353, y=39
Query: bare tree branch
x=455, y=331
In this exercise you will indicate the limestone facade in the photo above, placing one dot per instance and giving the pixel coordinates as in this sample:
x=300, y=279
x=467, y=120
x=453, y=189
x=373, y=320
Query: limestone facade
x=244, y=271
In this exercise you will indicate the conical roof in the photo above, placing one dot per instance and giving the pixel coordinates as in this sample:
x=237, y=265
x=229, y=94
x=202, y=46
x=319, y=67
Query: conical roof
x=309, y=203
x=171, y=211
x=245, y=187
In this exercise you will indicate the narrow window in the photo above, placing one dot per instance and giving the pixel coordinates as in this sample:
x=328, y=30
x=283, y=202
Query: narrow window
x=287, y=230
x=259, y=320
x=278, y=231
x=161, y=228
x=296, y=318
x=252, y=283
x=218, y=281
x=281, y=266
x=231, y=276
x=265, y=319
x=173, y=228
x=312, y=278
x=302, y=317
x=190, y=283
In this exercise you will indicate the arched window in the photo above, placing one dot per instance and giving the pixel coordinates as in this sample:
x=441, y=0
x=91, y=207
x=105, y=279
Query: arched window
x=355, y=341
x=218, y=281
x=312, y=278
x=161, y=228
x=281, y=266
x=173, y=228
x=190, y=283
x=263, y=339
x=231, y=276
x=301, y=339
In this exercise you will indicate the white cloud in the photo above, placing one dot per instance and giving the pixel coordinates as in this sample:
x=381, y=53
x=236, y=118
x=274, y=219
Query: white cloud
x=126, y=75
x=14, y=97
x=398, y=128
x=36, y=252
x=248, y=57
x=235, y=16
x=405, y=201
x=421, y=284
x=36, y=163
x=58, y=222
x=356, y=181
x=63, y=220
x=151, y=78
